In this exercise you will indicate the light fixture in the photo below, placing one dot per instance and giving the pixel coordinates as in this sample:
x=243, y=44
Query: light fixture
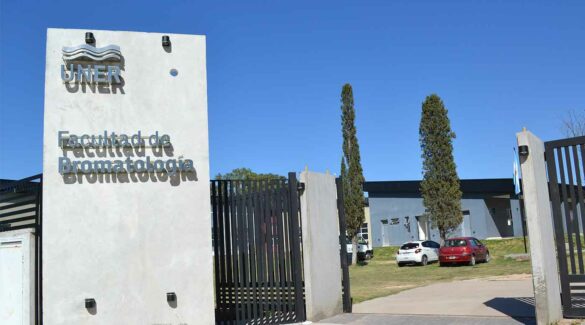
x=89, y=39
x=89, y=303
x=300, y=187
x=166, y=41
x=171, y=297
x=523, y=151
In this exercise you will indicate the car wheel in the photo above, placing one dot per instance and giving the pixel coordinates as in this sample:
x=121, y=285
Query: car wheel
x=472, y=261
x=368, y=256
x=424, y=260
x=487, y=257
x=400, y=264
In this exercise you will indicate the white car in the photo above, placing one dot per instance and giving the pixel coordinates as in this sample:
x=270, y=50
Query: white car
x=364, y=250
x=419, y=251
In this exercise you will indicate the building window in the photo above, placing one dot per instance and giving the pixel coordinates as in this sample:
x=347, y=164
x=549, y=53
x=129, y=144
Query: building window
x=465, y=212
x=364, y=231
x=384, y=221
x=394, y=221
x=364, y=228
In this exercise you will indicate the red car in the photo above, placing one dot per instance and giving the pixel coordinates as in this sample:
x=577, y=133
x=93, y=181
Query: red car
x=467, y=250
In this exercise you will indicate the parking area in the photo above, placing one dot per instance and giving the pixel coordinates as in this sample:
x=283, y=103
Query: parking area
x=493, y=300
x=509, y=295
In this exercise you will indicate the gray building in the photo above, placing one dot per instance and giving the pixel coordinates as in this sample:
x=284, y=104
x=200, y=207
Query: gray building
x=489, y=206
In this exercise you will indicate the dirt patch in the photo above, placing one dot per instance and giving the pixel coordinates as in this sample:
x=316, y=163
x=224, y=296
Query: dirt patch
x=510, y=277
x=399, y=287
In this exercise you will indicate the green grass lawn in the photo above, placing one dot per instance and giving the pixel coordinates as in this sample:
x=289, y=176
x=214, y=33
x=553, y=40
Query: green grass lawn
x=381, y=276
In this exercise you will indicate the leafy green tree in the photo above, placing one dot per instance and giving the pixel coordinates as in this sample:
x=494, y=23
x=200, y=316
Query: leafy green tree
x=246, y=174
x=440, y=187
x=351, y=169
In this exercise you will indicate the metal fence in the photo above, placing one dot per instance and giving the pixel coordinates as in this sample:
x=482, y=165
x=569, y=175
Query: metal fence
x=257, y=244
x=566, y=172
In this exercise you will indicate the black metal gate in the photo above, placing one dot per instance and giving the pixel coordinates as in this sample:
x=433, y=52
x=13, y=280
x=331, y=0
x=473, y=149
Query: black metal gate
x=21, y=208
x=566, y=171
x=257, y=251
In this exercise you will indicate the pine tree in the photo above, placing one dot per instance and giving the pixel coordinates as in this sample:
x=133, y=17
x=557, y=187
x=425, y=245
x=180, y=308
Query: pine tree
x=352, y=176
x=440, y=187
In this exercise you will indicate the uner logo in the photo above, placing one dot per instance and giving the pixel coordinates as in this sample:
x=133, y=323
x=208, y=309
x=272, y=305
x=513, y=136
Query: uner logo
x=89, y=64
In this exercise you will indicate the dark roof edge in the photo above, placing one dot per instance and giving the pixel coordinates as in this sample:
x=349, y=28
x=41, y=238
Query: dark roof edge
x=468, y=186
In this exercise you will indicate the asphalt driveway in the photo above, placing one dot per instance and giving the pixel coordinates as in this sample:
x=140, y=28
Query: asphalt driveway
x=495, y=300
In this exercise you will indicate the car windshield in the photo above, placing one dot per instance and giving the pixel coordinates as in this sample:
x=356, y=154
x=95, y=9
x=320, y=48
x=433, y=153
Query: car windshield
x=409, y=246
x=455, y=243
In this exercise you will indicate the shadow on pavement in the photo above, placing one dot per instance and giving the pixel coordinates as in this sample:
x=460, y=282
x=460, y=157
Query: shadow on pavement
x=519, y=308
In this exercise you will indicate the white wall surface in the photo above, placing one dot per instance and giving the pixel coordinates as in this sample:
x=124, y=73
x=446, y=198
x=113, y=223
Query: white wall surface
x=127, y=241
x=320, y=227
x=17, y=277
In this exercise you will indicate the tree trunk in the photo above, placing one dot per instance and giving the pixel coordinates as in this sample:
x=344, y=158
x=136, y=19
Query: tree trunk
x=443, y=235
x=354, y=250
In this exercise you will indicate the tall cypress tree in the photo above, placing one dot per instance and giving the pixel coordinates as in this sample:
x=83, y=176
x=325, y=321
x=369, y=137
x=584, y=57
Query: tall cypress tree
x=352, y=175
x=440, y=185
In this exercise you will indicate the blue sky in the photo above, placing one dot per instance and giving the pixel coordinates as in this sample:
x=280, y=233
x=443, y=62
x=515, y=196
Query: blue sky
x=275, y=71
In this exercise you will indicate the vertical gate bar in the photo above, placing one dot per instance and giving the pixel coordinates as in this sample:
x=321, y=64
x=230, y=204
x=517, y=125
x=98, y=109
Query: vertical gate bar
x=241, y=255
x=252, y=248
x=287, y=248
x=266, y=244
x=290, y=295
x=558, y=223
x=276, y=257
x=223, y=240
x=274, y=222
x=221, y=249
x=229, y=284
x=290, y=255
x=259, y=247
x=296, y=240
x=280, y=230
x=573, y=208
x=564, y=200
x=215, y=230
x=289, y=290
x=347, y=307
x=247, y=249
x=580, y=163
x=242, y=250
x=249, y=252
x=234, y=250
x=269, y=248
x=274, y=286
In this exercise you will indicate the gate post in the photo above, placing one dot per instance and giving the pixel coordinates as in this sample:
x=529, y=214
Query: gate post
x=322, y=266
x=545, y=277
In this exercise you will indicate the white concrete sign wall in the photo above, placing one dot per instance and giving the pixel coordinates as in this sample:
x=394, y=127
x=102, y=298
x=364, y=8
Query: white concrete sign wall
x=126, y=180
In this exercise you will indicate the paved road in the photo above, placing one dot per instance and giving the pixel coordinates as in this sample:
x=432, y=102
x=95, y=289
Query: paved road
x=383, y=319
x=495, y=300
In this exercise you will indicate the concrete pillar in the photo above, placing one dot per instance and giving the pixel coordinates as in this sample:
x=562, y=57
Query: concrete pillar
x=545, y=277
x=320, y=227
